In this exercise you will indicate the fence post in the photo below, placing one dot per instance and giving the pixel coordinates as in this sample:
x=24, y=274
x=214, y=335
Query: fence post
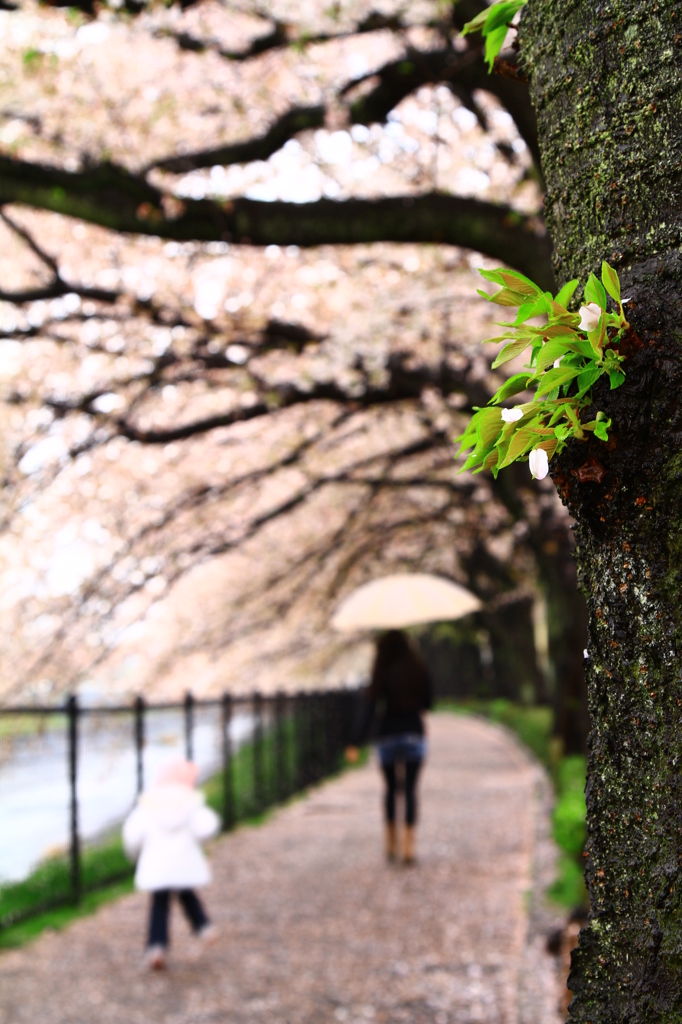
x=324, y=733
x=258, y=779
x=309, y=733
x=314, y=723
x=139, y=742
x=330, y=731
x=300, y=745
x=339, y=731
x=228, y=782
x=280, y=781
x=189, y=726
x=75, y=854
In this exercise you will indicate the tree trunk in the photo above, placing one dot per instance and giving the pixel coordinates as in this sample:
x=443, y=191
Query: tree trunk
x=512, y=639
x=454, y=663
x=605, y=82
x=567, y=634
x=550, y=537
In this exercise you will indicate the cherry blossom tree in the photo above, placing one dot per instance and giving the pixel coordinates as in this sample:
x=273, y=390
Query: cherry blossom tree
x=195, y=138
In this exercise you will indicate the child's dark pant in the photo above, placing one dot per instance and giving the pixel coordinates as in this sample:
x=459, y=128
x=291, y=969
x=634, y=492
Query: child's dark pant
x=160, y=906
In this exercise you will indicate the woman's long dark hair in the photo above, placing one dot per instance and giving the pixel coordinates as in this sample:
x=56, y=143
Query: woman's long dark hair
x=393, y=647
x=399, y=673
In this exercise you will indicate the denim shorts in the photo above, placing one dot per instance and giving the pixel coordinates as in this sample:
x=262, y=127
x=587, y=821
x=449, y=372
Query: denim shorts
x=404, y=747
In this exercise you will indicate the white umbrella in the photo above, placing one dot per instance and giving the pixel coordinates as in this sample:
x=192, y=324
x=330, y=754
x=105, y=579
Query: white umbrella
x=404, y=599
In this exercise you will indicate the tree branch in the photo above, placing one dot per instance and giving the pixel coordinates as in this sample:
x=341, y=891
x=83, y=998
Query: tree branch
x=295, y=120
x=403, y=383
x=463, y=72
x=279, y=38
x=57, y=285
x=111, y=196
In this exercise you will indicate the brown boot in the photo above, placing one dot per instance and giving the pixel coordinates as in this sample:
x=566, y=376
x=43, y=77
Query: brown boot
x=408, y=851
x=390, y=840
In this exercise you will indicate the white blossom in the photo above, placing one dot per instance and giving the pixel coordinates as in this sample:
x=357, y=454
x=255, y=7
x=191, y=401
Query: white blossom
x=512, y=415
x=539, y=463
x=557, y=362
x=590, y=316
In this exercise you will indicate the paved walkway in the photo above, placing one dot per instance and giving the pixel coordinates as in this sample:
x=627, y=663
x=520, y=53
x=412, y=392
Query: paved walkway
x=317, y=929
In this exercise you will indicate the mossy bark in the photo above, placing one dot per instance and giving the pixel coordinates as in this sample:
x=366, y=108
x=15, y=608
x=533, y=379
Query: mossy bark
x=605, y=82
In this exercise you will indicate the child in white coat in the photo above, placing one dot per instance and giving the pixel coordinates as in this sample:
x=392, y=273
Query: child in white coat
x=163, y=832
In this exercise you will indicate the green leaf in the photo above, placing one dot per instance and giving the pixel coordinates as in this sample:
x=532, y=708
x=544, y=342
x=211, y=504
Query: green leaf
x=572, y=415
x=476, y=24
x=583, y=348
x=594, y=292
x=587, y=378
x=493, y=17
x=566, y=294
x=530, y=419
x=513, y=386
x=559, y=315
x=494, y=276
x=500, y=13
x=525, y=313
x=559, y=411
x=509, y=336
x=505, y=297
x=610, y=280
x=556, y=379
x=531, y=309
x=562, y=431
x=494, y=41
x=616, y=377
x=522, y=441
x=492, y=459
x=510, y=351
x=550, y=352
x=489, y=425
x=549, y=445
x=601, y=429
x=596, y=337
x=468, y=438
x=559, y=331
x=511, y=279
x=472, y=461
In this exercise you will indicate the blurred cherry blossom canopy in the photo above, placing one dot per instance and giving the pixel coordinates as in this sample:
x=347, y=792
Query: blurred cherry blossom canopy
x=206, y=441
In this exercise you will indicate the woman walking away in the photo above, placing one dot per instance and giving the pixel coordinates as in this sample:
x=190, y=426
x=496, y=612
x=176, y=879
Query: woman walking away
x=163, y=833
x=401, y=688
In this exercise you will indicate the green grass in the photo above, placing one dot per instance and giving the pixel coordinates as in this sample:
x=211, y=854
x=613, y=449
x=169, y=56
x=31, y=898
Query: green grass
x=50, y=885
x=569, y=813
x=534, y=727
x=56, y=919
x=29, y=725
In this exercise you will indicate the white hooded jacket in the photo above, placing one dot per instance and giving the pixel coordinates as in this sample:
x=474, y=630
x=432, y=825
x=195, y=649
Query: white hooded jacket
x=164, y=831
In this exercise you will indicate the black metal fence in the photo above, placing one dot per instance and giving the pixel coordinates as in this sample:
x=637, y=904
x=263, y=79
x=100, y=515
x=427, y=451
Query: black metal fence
x=69, y=774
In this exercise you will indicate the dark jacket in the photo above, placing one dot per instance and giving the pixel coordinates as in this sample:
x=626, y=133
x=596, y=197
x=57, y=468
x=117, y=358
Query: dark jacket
x=399, y=691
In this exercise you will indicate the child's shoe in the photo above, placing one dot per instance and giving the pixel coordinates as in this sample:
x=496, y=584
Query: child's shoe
x=155, y=958
x=208, y=934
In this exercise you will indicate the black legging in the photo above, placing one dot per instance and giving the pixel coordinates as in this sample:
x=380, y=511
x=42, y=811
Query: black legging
x=158, y=916
x=411, y=773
